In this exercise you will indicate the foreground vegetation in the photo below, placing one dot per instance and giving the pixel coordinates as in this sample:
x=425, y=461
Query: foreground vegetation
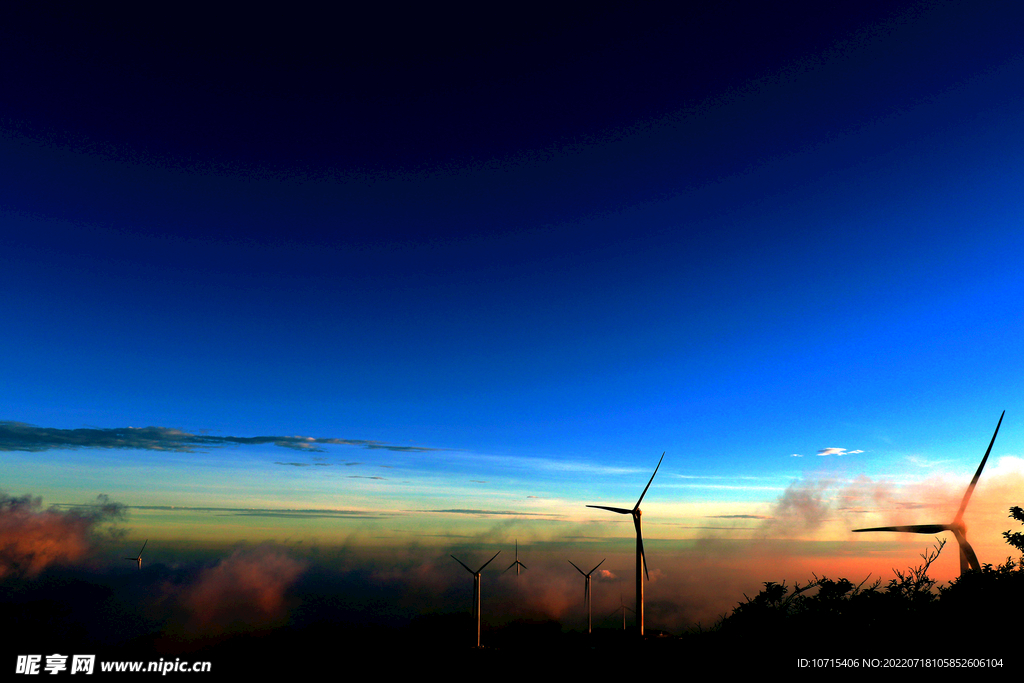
x=976, y=615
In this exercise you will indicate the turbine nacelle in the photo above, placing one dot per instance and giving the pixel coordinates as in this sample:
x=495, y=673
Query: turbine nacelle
x=139, y=558
x=517, y=564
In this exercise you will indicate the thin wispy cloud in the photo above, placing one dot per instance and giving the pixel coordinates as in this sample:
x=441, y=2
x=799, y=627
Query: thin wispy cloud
x=504, y=513
x=18, y=436
x=267, y=512
x=927, y=464
x=726, y=487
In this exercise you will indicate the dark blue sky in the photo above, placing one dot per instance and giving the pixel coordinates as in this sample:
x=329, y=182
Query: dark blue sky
x=597, y=232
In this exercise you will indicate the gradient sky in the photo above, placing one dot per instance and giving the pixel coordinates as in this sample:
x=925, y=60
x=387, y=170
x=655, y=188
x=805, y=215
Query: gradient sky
x=498, y=265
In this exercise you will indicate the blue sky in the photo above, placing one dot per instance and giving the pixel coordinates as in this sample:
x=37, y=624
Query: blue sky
x=543, y=255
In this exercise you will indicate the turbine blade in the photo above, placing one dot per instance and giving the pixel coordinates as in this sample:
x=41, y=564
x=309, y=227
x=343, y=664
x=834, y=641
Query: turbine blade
x=522, y=565
x=598, y=565
x=143, y=547
x=637, y=506
x=463, y=564
x=913, y=528
x=977, y=475
x=510, y=566
x=621, y=511
x=968, y=560
x=488, y=562
x=577, y=568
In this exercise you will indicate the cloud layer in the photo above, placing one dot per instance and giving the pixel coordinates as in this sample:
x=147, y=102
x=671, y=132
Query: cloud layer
x=242, y=592
x=18, y=436
x=31, y=539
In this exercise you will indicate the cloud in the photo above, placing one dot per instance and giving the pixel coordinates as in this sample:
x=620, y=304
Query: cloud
x=509, y=513
x=245, y=591
x=32, y=539
x=271, y=512
x=18, y=436
x=922, y=462
x=837, y=451
x=802, y=508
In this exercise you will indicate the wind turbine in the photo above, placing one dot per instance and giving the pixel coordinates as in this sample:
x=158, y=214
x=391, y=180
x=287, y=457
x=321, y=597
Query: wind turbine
x=622, y=606
x=139, y=558
x=586, y=590
x=476, y=591
x=640, y=557
x=517, y=564
x=968, y=560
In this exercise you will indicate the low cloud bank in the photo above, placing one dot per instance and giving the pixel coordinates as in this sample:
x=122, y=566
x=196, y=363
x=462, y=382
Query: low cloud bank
x=242, y=592
x=32, y=539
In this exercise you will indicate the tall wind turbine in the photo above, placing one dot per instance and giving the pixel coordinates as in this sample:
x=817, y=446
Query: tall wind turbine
x=968, y=560
x=517, y=564
x=476, y=591
x=640, y=557
x=139, y=558
x=586, y=589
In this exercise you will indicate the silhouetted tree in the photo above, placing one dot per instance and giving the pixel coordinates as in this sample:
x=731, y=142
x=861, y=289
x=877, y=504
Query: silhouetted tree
x=1016, y=538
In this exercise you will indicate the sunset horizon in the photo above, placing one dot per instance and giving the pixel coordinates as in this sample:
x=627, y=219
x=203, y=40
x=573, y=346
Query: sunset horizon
x=306, y=302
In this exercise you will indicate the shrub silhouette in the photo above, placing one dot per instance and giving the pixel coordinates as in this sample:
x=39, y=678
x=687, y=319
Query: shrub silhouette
x=1016, y=538
x=975, y=615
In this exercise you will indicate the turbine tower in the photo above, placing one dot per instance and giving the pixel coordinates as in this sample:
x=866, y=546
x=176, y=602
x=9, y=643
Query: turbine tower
x=139, y=558
x=476, y=591
x=586, y=589
x=968, y=560
x=517, y=564
x=640, y=557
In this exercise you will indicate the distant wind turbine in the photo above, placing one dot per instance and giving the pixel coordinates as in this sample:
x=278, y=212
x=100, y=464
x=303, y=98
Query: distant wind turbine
x=139, y=558
x=640, y=557
x=623, y=608
x=968, y=560
x=517, y=564
x=476, y=591
x=587, y=596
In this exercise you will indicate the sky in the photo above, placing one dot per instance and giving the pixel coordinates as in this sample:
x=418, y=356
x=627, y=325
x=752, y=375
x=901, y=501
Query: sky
x=378, y=285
